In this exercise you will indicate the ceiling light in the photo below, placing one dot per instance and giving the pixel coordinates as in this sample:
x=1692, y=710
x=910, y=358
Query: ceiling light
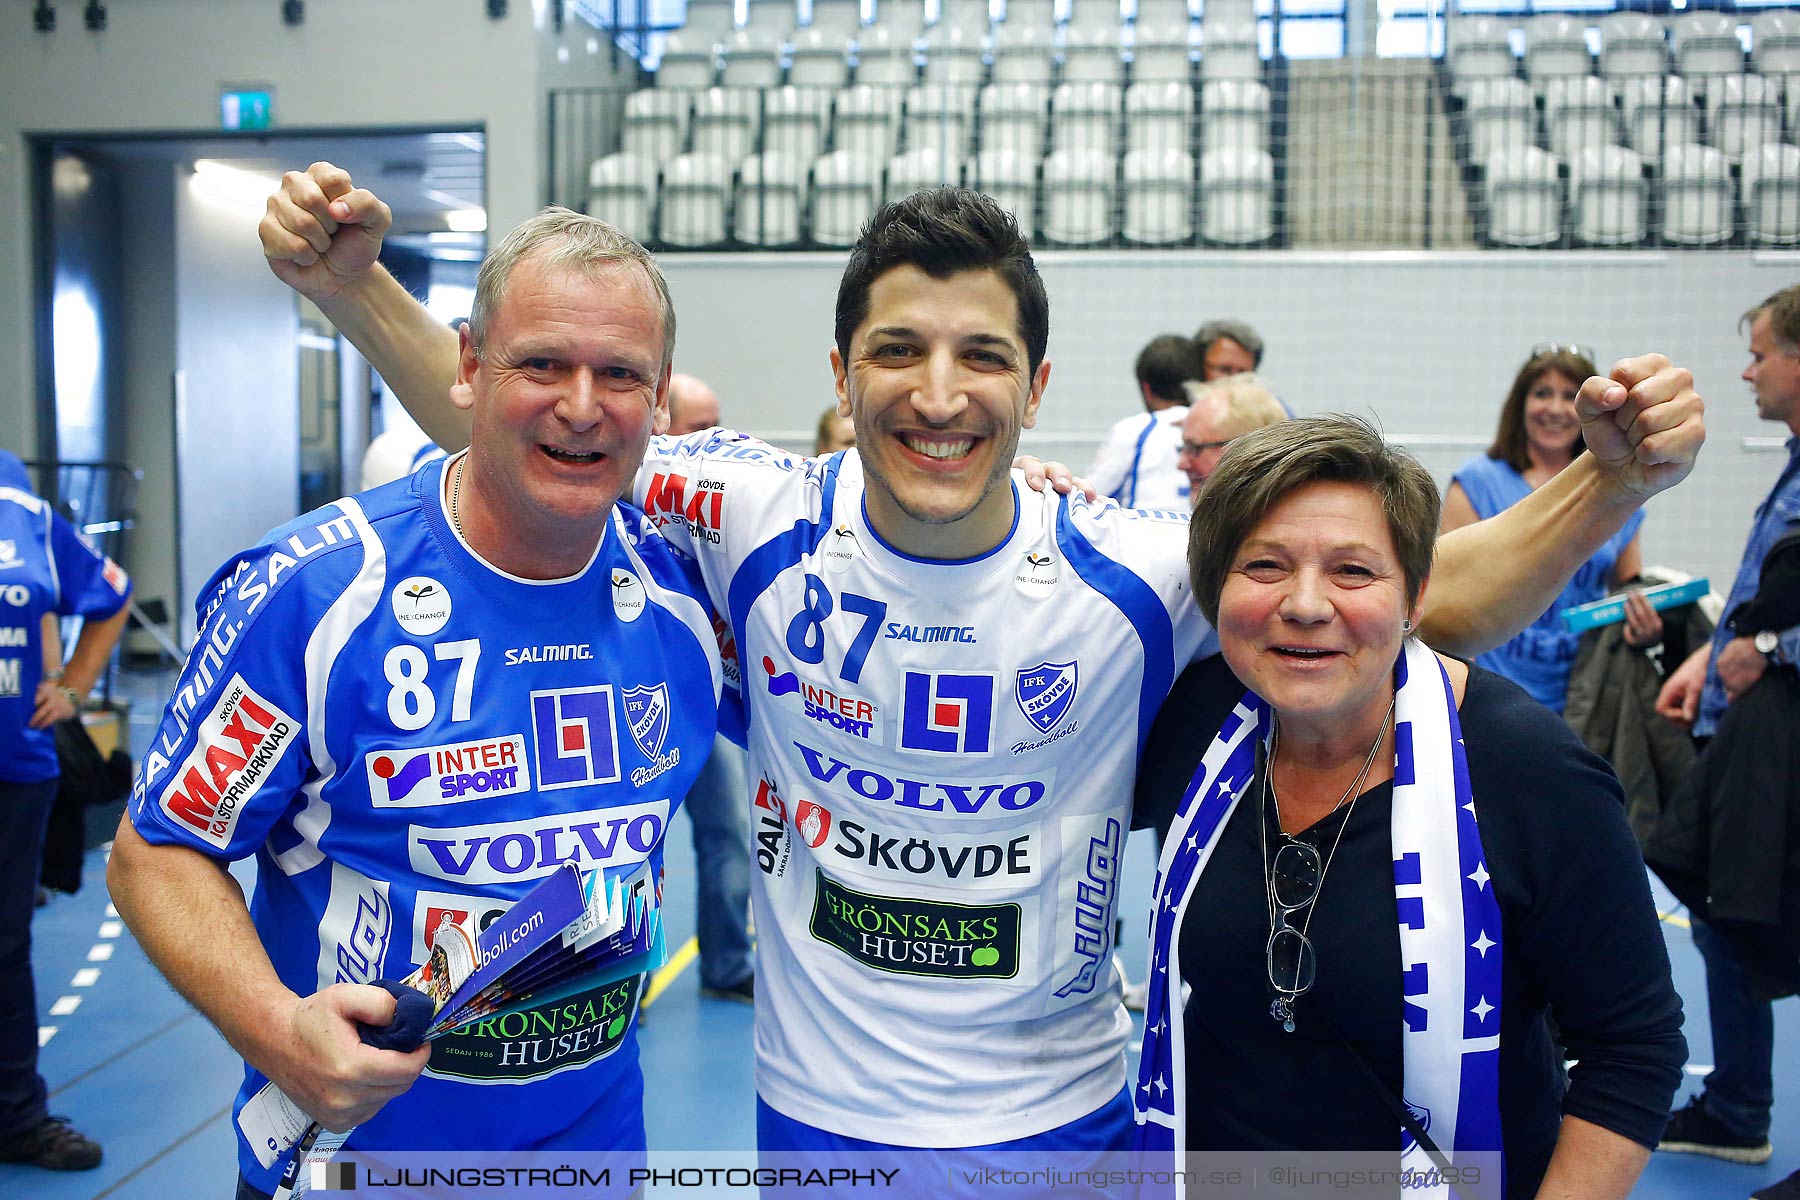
x=466, y=220
x=234, y=185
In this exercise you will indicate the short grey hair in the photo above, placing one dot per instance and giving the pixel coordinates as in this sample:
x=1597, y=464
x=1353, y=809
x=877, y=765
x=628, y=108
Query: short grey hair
x=1237, y=331
x=569, y=241
x=1249, y=404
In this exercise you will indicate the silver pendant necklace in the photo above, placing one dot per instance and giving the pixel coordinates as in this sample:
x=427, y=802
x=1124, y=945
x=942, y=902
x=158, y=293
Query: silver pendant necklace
x=1282, y=1007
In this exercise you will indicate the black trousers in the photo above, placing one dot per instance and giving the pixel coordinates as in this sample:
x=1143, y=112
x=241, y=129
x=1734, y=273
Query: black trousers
x=24, y=813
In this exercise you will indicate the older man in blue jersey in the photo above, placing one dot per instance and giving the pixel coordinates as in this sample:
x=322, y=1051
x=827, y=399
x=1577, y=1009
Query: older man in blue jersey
x=949, y=675
x=412, y=705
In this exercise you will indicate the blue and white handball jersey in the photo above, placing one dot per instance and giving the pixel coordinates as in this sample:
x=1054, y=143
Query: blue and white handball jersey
x=399, y=731
x=942, y=756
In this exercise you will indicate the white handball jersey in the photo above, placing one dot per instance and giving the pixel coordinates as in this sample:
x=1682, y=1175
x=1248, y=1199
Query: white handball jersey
x=942, y=756
x=399, y=731
x=1136, y=463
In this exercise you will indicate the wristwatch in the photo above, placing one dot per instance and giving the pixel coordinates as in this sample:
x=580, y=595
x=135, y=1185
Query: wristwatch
x=1768, y=644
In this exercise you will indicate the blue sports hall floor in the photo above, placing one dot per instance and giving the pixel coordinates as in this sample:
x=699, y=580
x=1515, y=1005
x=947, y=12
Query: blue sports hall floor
x=135, y=1067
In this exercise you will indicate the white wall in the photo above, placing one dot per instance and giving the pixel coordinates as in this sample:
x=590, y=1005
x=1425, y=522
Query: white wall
x=237, y=423
x=1428, y=343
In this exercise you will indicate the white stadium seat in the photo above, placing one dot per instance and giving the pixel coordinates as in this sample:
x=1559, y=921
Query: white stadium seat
x=1014, y=116
x=656, y=122
x=953, y=55
x=1608, y=197
x=778, y=17
x=1658, y=112
x=695, y=188
x=903, y=19
x=1234, y=115
x=1555, y=48
x=1159, y=116
x=752, y=59
x=941, y=117
x=1169, y=12
x=1771, y=178
x=1085, y=116
x=839, y=19
x=1078, y=197
x=1632, y=46
x=1479, y=48
x=622, y=190
x=1237, y=197
x=1500, y=116
x=708, y=21
x=1775, y=42
x=771, y=196
x=1698, y=196
x=794, y=123
x=1010, y=177
x=1524, y=197
x=1096, y=55
x=1162, y=51
x=971, y=16
x=1100, y=16
x=727, y=122
x=1158, y=197
x=686, y=64
x=820, y=59
x=885, y=59
x=844, y=189
x=1024, y=53
x=917, y=170
x=1742, y=113
x=866, y=121
x=1706, y=45
x=1229, y=49
x=1036, y=14
x=1579, y=113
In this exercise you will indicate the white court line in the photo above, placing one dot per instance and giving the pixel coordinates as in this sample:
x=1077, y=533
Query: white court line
x=86, y=977
x=1698, y=1068
x=100, y=951
x=65, y=1005
x=111, y=929
x=45, y=1033
x=111, y=911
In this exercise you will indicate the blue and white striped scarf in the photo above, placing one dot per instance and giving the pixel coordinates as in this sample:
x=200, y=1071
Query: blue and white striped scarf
x=1449, y=926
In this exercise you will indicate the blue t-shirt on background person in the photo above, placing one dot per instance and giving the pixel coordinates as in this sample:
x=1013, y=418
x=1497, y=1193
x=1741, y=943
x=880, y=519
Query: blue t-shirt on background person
x=45, y=567
x=1540, y=659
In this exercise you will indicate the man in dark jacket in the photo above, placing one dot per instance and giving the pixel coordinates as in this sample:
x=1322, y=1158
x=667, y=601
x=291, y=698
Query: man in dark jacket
x=1753, y=654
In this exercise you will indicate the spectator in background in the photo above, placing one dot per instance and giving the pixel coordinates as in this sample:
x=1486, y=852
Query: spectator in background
x=397, y=451
x=1539, y=435
x=1730, y=1118
x=48, y=569
x=1136, y=464
x=1227, y=347
x=692, y=405
x=1217, y=412
x=718, y=804
x=835, y=432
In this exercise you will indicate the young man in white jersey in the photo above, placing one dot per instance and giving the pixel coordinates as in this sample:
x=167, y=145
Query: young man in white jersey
x=949, y=676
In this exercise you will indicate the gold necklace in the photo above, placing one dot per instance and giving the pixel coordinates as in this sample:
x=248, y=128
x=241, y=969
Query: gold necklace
x=456, y=495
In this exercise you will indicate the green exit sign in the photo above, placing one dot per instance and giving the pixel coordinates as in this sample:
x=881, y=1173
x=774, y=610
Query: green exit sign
x=246, y=109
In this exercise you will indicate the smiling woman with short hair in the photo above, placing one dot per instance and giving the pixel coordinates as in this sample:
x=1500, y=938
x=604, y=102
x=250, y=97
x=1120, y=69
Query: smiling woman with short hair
x=1395, y=864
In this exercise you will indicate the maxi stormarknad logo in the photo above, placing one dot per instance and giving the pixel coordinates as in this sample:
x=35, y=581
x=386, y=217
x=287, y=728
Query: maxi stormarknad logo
x=917, y=937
